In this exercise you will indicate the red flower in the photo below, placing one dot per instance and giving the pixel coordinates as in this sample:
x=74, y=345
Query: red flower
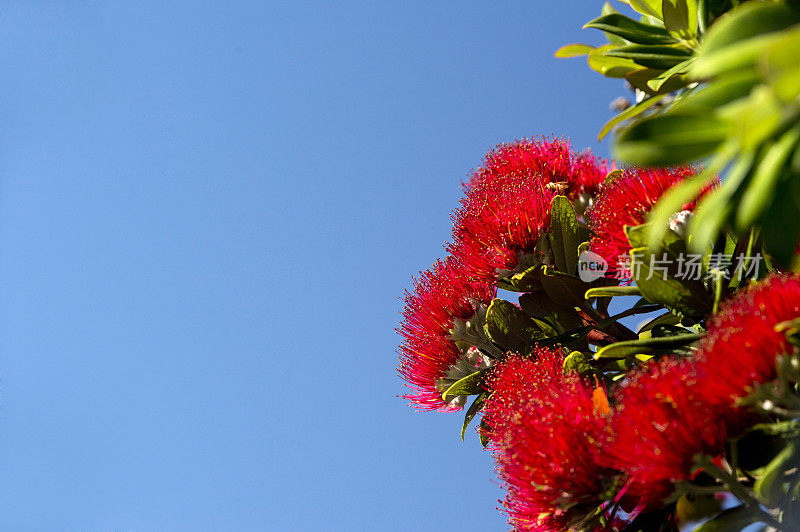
x=678, y=408
x=545, y=433
x=549, y=160
x=507, y=203
x=627, y=201
x=427, y=353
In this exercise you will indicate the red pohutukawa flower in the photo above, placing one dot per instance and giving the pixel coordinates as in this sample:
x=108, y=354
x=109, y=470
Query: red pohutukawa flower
x=507, y=202
x=626, y=201
x=678, y=408
x=550, y=160
x=545, y=432
x=440, y=296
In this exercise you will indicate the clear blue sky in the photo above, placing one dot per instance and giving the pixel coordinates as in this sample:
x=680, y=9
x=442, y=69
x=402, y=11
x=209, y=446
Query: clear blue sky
x=208, y=212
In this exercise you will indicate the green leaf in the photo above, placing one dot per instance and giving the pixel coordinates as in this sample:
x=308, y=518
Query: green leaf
x=562, y=317
x=731, y=519
x=646, y=345
x=673, y=201
x=564, y=234
x=739, y=56
x=713, y=210
x=669, y=78
x=662, y=284
x=671, y=139
x=651, y=8
x=761, y=190
x=652, y=56
x=612, y=291
x=526, y=281
x=631, y=30
x=578, y=362
x=574, y=50
x=769, y=486
x=665, y=319
x=612, y=67
x=470, y=385
x=727, y=89
x=562, y=288
x=746, y=21
x=781, y=68
x=512, y=329
x=472, y=411
x=680, y=17
x=629, y=113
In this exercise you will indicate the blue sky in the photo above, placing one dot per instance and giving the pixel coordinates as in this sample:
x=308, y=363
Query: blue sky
x=208, y=212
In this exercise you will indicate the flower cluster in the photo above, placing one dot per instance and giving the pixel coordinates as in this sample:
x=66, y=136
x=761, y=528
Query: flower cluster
x=675, y=409
x=600, y=438
x=502, y=215
x=545, y=430
x=633, y=194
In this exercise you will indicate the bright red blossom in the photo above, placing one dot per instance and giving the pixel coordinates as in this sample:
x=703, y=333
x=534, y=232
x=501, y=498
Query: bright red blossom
x=440, y=295
x=626, y=201
x=507, y=203
x=677, y=408
x=545, y=434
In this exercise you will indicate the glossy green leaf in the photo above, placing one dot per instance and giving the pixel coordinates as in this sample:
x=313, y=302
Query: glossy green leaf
x=472, y=411
x=670, y=78
x=651, y=8
x=731, y=87
x=562, y=288
x=680, y=17
x=646, y=345
x=563, y=234
x=512, y=329
x=652, y=56
x=612, y=291
x=612, y=67
x=526, y=281
x=671, y=139
x=631, y=30
x=657, y=276
x=561, y=317
x=470, y=385
x=574, y=50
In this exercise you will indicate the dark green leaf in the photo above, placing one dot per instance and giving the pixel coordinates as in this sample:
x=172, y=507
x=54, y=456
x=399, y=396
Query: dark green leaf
x=512, y=329
x=470, y=385
x=652, y=56
x=646, y=345
x=473, y=409
x=562, y=288
x=612, y=291
x=663, y=284
x=631, y=30
x=564, y=234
